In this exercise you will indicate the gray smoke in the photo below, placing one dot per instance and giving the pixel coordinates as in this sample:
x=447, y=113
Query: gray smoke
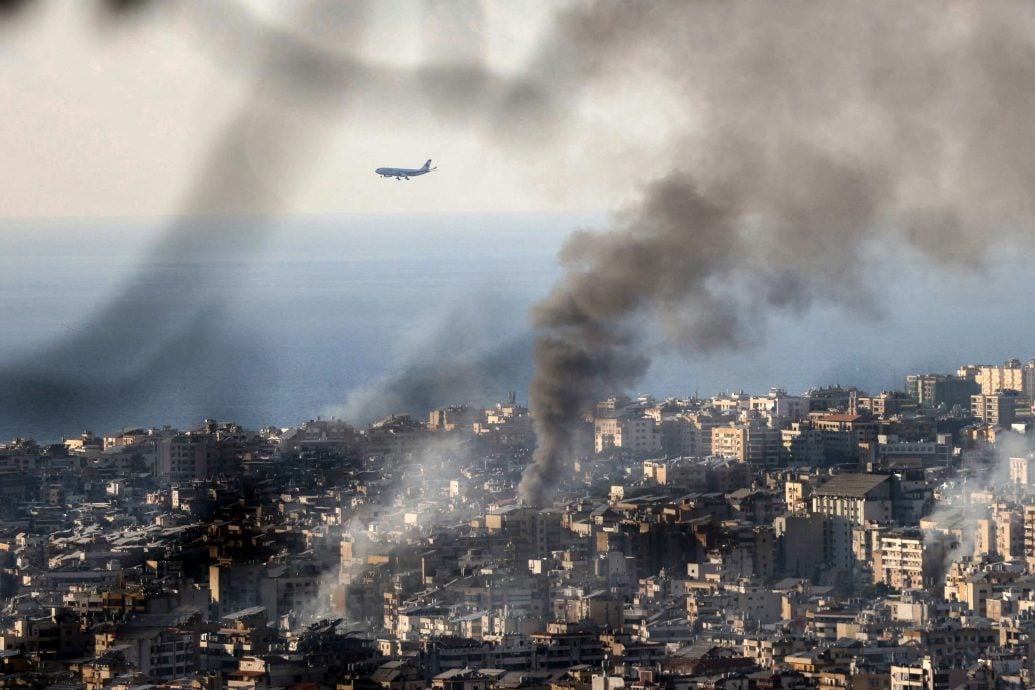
x=130, y=344
x=304, y=74
x=443, y=377
x=808, y=137
x=983, y=469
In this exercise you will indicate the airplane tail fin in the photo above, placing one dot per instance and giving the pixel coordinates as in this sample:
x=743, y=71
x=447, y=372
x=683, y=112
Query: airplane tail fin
x=427, y=165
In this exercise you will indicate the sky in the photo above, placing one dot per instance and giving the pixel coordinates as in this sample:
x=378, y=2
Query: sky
x=115, y=118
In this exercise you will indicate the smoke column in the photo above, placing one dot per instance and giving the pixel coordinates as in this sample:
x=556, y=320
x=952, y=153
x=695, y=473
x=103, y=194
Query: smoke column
x=806, y=139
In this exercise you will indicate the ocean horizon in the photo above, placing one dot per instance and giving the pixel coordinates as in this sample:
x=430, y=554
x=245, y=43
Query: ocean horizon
x=367, y=315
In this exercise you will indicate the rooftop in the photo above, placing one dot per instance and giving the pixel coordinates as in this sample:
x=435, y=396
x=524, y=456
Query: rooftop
x=851, y=484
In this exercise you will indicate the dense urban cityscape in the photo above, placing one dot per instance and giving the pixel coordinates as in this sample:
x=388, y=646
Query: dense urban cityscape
x=833, y=539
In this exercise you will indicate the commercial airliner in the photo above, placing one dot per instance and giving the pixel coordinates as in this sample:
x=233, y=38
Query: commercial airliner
x=405, y=173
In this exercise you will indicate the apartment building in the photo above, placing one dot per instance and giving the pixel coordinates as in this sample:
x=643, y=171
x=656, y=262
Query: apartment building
x=624, y=430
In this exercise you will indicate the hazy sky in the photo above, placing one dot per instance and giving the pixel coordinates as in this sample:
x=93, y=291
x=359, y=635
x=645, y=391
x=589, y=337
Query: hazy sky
x=114, y=118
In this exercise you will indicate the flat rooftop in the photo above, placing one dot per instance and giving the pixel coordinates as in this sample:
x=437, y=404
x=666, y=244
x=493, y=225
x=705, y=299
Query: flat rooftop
x=856, y=485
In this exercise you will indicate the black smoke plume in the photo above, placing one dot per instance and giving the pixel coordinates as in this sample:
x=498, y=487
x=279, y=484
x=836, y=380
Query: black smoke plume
x=807, y=138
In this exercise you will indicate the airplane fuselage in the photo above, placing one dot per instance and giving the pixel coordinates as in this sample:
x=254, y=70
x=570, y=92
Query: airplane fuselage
x=400, y=172
x=404, y=173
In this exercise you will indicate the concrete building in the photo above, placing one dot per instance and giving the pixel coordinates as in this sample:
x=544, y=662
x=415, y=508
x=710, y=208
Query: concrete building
x=454, y=417
x=803, y=444
x=941, y=390
x=857, y=498
x=908, y=559
x=1008, y=523
x=891, y=448
x=1029, y=535
x=779, y=405
x=926, y=675
x=185, y=457
x=994, y=378
x=797, y=494
x=632, y=432
x=1003, y=407
x=730, y=442
x=687, y=434
x=887, y=404
x=531, y=533
x=689, y=473
x=801, y=544
x=748, y=442
x=1022, y=470
x=844, y=434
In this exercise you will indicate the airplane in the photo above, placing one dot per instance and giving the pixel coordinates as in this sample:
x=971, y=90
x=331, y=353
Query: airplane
x=405, y=173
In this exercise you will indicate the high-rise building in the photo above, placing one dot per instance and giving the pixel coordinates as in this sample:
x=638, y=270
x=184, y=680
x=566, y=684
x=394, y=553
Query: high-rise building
x=906, y=559
x=186, y=457
x=1022, y=470
x=687, y=434
x=631, y=431
x=754, y=443
x=1004, y=407
x=858, y=498
x=994, y=378
x=1009, y=533
x=937, y=390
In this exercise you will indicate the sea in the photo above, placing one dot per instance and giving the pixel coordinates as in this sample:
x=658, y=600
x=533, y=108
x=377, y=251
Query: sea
x=109, y=324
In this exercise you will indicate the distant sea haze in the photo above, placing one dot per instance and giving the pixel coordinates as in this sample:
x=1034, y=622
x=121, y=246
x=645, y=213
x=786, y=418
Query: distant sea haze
x=363, y=316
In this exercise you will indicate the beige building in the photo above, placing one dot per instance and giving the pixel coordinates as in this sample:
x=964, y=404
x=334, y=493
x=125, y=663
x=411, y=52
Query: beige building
x=796, y=494
x=858, y=498
x=1009, y=534
x=802, y=443
x=600, y=607
x=992, y=378
x=687, y=434
x=688, y=473
x=1022, y=470
x=730, y=442
x=906, y=560
x=972, y=588
x=984, y=538
x=844, y=434
x=887, y=404
x=1029, y=535
x=454, y=417
x=1004, y=407
x=185, y=457
x=1001, y=535
x=926, y=675
x=636, y=433
x=754, y=443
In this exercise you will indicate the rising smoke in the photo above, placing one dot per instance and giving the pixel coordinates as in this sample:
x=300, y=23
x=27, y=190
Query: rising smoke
x=441, y=378
x=984, y=469
x=811, y=135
